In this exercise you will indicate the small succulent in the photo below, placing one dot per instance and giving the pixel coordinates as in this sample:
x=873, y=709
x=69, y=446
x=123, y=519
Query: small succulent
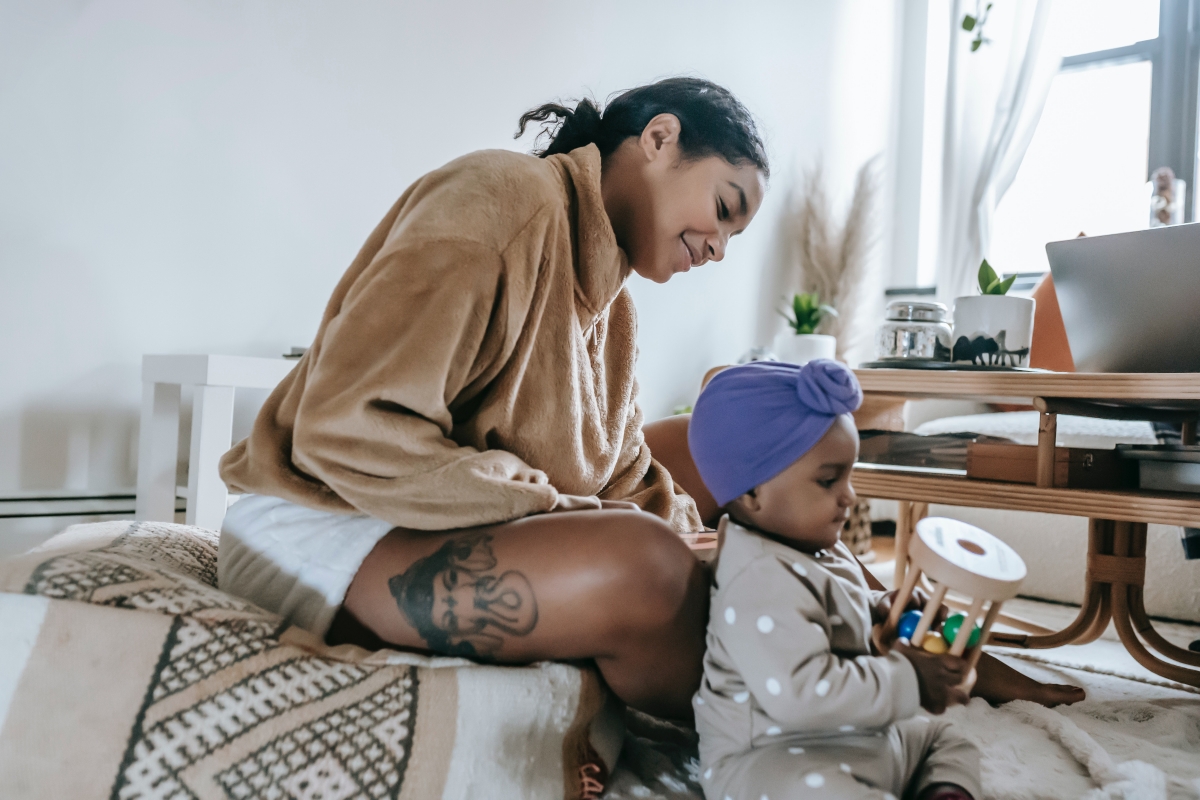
x=807, y=312
x=990, y=282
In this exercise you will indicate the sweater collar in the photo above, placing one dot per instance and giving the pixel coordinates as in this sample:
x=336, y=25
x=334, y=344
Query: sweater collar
x=601, y=266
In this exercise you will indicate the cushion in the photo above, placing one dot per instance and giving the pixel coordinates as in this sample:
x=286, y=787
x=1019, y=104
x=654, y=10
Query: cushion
x=124, y=672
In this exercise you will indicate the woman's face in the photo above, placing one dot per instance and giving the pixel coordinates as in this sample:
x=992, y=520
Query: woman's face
x=670, y=213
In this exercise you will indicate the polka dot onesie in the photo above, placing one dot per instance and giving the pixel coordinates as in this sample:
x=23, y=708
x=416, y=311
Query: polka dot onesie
x=792, y=703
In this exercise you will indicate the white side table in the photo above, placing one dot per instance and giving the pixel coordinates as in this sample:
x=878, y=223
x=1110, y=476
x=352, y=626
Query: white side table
x=215, y=378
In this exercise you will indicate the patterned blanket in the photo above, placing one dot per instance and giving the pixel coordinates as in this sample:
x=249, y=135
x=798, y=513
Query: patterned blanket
x=124, y=673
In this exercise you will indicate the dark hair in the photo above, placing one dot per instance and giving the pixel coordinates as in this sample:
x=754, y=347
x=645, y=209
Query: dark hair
x=712, y=121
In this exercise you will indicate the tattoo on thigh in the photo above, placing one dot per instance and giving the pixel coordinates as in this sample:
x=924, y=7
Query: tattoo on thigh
x=458, y=604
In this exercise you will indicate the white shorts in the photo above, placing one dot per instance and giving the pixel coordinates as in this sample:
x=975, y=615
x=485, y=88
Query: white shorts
x=294, y=561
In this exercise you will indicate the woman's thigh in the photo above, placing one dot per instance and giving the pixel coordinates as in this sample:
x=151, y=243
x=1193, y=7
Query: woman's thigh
x=571, y=585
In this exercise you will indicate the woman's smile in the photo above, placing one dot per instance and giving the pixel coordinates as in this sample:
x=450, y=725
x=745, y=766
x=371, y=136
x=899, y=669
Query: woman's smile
x=687, y=257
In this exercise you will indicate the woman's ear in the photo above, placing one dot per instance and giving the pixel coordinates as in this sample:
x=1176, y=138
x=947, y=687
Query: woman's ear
x=661, y=137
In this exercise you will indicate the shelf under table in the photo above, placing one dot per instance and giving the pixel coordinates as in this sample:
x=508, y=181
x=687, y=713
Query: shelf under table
x=1163, y=508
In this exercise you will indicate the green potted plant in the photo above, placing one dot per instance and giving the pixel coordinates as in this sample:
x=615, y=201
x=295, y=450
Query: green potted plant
x=799, y=343
x=993, y=328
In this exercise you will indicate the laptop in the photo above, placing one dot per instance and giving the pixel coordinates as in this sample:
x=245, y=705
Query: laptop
x=1131, y=301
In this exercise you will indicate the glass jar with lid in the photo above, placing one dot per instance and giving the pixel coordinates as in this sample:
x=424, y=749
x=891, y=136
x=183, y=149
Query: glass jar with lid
x=914, y=331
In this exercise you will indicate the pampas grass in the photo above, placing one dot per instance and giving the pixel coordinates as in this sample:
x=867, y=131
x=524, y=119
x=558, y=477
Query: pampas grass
x=828, y=258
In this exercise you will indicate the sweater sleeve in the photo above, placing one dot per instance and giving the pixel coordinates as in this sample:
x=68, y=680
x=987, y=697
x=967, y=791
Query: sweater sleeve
x=421, y=324
x=778, y=639
x=641, y=479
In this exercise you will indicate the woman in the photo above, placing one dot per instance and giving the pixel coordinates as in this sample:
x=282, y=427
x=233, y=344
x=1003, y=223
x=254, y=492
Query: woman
x=458, y=465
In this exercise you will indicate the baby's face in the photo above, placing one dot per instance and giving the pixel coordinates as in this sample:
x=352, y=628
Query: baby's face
x=809, y=502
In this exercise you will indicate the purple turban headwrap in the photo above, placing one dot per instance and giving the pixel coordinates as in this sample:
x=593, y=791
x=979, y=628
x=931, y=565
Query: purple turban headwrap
x=754, y=421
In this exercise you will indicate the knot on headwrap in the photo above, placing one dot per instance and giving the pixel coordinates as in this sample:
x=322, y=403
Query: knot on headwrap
x=828, y=387
x=753, y=421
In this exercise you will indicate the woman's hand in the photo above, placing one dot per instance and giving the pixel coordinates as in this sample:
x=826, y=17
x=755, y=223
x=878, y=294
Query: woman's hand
x=939, y=677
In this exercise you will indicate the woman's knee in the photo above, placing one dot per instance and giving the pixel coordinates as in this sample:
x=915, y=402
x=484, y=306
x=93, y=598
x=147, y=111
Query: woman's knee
x=658, y=582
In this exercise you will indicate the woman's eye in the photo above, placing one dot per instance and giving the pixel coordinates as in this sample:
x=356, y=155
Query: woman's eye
x=722, y=210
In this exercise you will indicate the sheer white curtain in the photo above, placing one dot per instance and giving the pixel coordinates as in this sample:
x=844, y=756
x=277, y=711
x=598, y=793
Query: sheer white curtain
x=994, y=98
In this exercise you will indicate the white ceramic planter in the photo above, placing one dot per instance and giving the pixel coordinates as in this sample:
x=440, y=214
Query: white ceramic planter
x=993, y=330
x=804, y=347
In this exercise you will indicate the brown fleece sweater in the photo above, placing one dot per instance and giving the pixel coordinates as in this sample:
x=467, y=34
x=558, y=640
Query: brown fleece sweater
x=474, y=362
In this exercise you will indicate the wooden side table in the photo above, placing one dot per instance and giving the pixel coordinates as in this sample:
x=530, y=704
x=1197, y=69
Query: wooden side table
x=1117, y=520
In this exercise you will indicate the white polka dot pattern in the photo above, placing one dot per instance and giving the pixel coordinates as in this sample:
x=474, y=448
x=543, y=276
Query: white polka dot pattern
x=774, y=730
x=741, y=697
x=765, y=624
x=730, y=615
x=844, y=767
x=889, y=796
x=846, y=728
x=822, y=688
x=814, y=780
x=799, y=569
x=708, y=773
x=795, y=750
x=835, y=620
x=699, y=700
x=773, y=686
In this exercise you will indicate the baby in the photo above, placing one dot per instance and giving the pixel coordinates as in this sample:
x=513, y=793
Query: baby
x=794, y=703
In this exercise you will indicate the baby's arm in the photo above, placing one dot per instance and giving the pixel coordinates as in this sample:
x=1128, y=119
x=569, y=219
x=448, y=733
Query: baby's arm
x=779, y=642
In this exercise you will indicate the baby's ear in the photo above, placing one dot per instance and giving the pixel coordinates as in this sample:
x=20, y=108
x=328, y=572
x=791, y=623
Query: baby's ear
x=747, y=502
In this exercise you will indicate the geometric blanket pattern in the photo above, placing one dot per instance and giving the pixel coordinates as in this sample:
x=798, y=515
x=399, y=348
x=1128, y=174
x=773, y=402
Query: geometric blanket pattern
x=138, y=678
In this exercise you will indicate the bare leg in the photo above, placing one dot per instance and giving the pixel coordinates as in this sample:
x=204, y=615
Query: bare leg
x=996, y=681
x=617, y=587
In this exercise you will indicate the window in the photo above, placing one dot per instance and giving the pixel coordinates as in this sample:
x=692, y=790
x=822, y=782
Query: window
x=1122, y=105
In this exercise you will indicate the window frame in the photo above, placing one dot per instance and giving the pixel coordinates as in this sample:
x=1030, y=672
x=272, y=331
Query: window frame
x=1174, y=58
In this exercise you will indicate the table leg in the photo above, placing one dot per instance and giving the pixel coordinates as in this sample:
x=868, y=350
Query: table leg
x=1116, y=573
x=1095, y=612
x=1187, y=434
x=903, y=532
x=906, y=524
x=1047, y=433
x=158, y=447
x=1137, y=607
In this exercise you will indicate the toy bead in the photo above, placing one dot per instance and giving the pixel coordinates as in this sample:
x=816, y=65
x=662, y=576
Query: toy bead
x=934, y=643
x=908, y=624
x=950, y=630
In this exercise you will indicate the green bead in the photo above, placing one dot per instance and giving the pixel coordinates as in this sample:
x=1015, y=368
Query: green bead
x=953, y=623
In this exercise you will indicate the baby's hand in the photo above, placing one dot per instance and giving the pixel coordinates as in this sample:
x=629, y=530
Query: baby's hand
x=938, y=676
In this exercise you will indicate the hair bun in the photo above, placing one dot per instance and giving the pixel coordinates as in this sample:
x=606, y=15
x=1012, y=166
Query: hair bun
x=828, y=387
x=583, y=123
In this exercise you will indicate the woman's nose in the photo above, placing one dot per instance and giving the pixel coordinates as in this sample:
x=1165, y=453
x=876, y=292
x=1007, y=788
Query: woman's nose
x=716, y=248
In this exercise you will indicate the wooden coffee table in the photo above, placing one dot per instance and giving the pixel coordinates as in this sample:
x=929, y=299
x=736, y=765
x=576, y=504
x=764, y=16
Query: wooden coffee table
x=1117, y=520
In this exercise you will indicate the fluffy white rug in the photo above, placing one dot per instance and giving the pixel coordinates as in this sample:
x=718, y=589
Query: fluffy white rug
x=1127, y=740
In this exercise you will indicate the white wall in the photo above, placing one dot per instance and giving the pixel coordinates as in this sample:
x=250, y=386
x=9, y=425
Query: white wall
x=195, y=176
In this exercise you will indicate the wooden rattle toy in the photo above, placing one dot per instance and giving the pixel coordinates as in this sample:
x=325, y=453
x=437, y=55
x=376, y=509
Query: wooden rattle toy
x=960, y=557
